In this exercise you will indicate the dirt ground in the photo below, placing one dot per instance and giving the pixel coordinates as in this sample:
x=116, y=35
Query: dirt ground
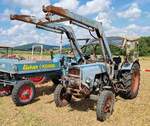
x=43, y=112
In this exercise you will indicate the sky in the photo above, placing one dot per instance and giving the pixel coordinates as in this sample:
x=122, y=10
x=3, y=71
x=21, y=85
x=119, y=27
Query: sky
x=119, y=18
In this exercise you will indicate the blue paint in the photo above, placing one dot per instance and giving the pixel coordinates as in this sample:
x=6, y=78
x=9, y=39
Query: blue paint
x=17, y=66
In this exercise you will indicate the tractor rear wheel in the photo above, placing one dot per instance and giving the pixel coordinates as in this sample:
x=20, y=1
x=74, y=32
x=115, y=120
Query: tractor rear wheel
x=23, y=93
x=105, y=105
x=134, y=81
x=61, y=97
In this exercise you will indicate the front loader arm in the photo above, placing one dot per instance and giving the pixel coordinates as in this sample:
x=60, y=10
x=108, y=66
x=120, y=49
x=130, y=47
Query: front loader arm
x=83, y=22
x=26, y=18
x=69, y=16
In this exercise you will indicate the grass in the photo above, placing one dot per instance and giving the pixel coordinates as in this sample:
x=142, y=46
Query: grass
x=43, y=112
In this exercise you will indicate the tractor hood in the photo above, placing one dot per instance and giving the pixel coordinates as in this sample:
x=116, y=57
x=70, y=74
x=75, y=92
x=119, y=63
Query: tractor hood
x=88, y=71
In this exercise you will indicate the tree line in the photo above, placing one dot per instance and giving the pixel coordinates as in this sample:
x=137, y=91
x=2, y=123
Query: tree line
x=144, y=46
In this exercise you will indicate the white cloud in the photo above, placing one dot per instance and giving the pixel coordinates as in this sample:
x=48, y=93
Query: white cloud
x=24, y=33
x=5, y=15
x=30, y=6
x=24, y=3
x=104, y=17
x=7, y=12
x=94, y=6
x=33, y=4
x=130, y=30
x=138, y=30
x=25, y=11
x=21, y=33
x=133, y=12
x=68, y=4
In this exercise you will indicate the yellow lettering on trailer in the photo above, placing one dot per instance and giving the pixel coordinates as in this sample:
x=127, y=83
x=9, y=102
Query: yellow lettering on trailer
x=27, y=67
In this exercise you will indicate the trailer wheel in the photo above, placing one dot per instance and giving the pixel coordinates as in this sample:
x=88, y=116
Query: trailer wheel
x=134, y=83
x=23, y=93
x=105, y=105
x=6, y=91
x=61, y=97
x=38, y=79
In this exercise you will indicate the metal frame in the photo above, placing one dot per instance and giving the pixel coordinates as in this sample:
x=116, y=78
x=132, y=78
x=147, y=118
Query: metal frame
x=53, y=27
x=66, y=15
x=83, y=22
x=35, y=46
x=7, y=49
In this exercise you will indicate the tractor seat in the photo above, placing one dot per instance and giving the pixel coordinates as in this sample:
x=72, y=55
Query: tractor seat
x=117, y=61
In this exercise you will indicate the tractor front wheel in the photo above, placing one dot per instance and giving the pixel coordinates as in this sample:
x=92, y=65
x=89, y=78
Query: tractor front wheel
x=23, y=93
x=105, y=105
x=61, y=97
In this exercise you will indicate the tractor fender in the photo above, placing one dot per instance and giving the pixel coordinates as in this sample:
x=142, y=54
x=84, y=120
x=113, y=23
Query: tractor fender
x=128, y=66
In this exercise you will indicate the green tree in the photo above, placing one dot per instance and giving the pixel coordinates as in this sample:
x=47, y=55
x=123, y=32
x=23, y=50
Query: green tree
x=144, y=46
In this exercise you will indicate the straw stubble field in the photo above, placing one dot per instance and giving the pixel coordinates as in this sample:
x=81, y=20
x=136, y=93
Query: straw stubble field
x=42, y=112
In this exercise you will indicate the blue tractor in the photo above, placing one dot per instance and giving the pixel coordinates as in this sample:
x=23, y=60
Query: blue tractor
x=101, y=77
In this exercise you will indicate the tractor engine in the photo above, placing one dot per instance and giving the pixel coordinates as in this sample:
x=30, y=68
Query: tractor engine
x=74, y=83
x=82, y=81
